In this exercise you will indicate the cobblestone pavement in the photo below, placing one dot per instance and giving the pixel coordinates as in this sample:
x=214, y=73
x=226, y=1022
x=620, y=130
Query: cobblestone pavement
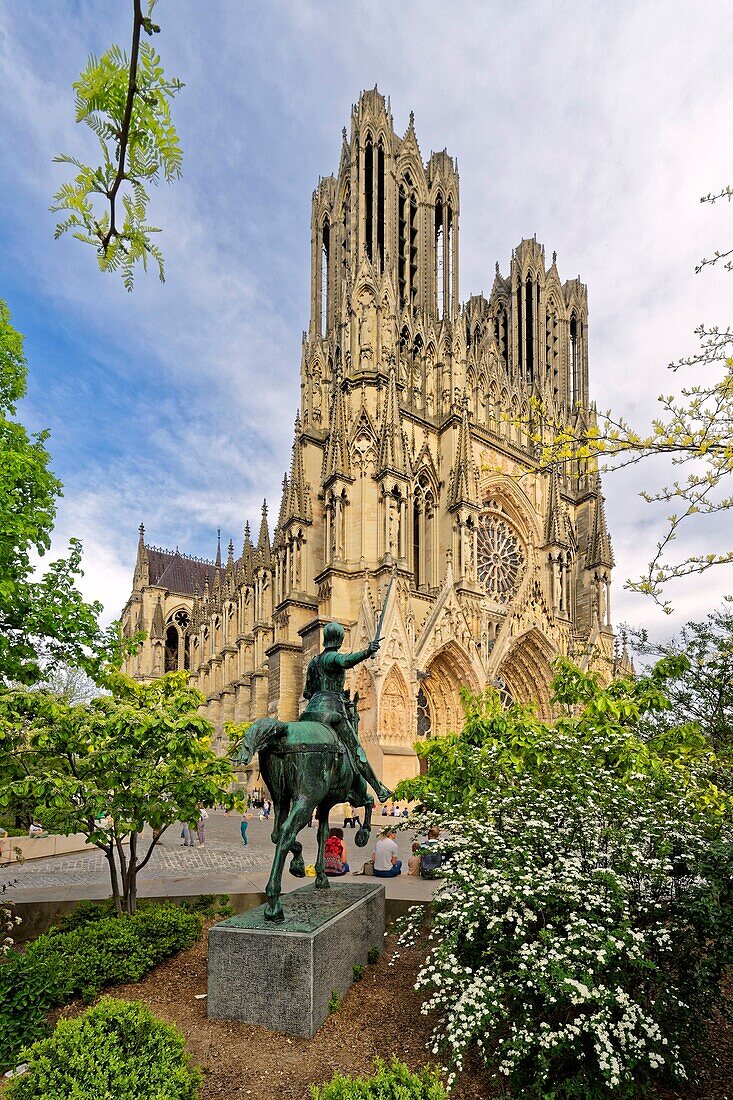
x=165, y=862
x=224, y=865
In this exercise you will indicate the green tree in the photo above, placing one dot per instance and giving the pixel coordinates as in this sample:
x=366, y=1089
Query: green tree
x=140, y=755
x=694, y=430
x=43, y=619
x=703, y=692
x=126, y=102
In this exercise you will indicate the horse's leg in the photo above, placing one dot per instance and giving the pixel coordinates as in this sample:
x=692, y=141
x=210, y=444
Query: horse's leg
x=322, y=882
x=362, y=797
x=282, y=809
x=297, y=863
x=291, y=826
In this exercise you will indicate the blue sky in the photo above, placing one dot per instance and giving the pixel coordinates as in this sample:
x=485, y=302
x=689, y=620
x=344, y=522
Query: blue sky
x=596, y=126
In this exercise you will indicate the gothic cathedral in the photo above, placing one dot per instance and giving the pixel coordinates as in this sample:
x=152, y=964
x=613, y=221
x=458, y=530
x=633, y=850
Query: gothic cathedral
x=414, y=457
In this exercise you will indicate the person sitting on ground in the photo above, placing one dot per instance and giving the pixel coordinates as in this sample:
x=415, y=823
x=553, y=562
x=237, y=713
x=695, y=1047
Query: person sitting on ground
x=413, y=863
x=431, y=860
x=37, y=829
x=336, y=856
x=386, y=863
x=384, y=811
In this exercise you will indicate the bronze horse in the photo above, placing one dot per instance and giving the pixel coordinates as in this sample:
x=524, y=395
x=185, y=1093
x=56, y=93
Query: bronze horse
x=306, y=768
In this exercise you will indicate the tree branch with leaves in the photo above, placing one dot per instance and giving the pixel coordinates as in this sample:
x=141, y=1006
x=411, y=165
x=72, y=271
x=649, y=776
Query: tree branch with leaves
x=694, y=429
x=126, y=102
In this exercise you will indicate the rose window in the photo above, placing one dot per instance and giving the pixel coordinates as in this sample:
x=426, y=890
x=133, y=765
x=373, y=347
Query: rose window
x=501, y=558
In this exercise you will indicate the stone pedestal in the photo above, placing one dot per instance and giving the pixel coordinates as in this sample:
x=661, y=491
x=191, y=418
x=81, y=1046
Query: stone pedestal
x=281, y=976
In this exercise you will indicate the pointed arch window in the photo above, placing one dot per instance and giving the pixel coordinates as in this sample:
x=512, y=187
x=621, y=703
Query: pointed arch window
x=423, y=533
x=368, y=194
x=413, y=250
x=449, y=273
x=439, y=258
x=177, y=642
x=529, y=329
x=345, y=232
x=501, y=335
x=574, y=360
x=551, y=346
x=380, y=205
x=402, y=244
x=325, y=288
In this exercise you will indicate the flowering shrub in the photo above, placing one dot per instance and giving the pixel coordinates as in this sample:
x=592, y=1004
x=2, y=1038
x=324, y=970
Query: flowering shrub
x=584, y=923
x=8, y=920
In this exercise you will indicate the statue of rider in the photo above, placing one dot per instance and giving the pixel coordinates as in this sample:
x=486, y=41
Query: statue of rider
x=328, y=701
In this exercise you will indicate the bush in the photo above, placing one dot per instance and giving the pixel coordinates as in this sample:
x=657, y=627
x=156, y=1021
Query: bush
x=117, y=1048
x=59, y=966
x=211, y=905
x=389, y=1082
x=586, y=922
x=85, y=912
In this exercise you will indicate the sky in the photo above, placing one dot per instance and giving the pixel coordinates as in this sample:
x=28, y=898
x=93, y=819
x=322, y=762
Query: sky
x=596, y=126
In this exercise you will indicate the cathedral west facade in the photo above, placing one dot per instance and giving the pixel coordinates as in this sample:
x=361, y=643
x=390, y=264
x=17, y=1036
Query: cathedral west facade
x=414, y=457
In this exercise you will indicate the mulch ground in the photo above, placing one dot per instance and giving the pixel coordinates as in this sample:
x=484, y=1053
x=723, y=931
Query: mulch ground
x=380, y=1016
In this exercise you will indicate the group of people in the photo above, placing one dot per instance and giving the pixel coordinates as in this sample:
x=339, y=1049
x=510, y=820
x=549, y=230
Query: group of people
x=426, y=859
x=395, y=811
x=197, y=828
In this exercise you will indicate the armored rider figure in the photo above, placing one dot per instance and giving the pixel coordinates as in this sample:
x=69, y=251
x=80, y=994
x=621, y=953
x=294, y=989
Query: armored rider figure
x=327, y=700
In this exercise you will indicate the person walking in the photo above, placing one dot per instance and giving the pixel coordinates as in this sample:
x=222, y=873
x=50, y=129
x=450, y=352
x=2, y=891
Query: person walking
x=201, y=826
x=244, y=826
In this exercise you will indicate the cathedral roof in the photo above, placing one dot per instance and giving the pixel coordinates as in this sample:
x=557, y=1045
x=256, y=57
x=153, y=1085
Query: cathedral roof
x=176, y=571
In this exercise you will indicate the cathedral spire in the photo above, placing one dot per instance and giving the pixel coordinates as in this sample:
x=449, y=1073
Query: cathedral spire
x=463, y=484
x=218, y=549
x=556, y=532
x=230, y=556
x=141, y=576
x=336, y=463
x=393, y=454
x=297, y=496
x=247, y=554
x=601, y=551
x=263, y=542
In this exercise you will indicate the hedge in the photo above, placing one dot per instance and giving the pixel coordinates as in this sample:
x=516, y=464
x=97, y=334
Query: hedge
x=59, y=966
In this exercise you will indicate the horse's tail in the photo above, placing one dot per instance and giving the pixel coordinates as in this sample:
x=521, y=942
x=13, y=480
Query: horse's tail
x=258, y=737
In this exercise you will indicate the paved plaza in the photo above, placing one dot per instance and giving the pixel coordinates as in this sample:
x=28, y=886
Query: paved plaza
x=224, y=865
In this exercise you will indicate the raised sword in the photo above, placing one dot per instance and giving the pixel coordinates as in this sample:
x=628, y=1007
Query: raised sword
x=380, y=623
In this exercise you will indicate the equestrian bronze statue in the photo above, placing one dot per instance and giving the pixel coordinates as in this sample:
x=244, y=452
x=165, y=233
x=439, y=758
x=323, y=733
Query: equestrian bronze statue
x=314, y=763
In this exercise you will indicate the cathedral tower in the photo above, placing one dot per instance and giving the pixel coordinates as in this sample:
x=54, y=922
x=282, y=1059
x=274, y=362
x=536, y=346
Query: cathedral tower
x=414, y=456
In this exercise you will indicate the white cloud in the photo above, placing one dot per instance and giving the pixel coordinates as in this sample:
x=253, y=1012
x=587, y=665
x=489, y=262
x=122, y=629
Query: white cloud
x=597, y=127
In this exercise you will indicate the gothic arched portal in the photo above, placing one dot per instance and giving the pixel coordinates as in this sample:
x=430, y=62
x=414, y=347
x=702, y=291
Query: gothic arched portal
x=448, y=672
x=526, y=671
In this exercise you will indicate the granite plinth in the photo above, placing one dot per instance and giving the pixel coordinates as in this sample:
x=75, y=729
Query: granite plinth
x=281, y=976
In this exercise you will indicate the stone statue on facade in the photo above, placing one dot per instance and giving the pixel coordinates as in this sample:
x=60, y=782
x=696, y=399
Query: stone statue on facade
x=314, y=763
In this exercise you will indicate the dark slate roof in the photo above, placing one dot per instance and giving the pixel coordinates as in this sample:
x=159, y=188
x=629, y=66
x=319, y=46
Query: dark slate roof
x=177, y=572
